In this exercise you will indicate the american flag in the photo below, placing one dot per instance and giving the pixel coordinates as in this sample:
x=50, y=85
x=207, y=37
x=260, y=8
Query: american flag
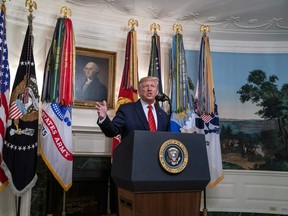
x=5, y=90
x=206, y=117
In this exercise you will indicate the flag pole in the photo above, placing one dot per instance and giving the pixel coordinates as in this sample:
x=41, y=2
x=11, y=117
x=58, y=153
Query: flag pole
x=65, y=11
x=30, y=5
x=18, y=205
x=132, y=22
x=204, y=28
x=205, y=210
x=108, y=196
x=3, y=7
x=64, y=204
x=177, y=28
x=154, y=27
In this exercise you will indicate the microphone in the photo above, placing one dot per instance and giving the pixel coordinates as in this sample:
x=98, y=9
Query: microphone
x=162, y=97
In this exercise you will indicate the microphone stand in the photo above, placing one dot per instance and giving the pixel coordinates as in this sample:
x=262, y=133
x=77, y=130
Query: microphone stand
x=169, y=103
x=163, y=97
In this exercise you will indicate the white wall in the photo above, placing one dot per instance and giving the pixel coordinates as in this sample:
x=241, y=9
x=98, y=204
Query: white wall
x=240, y=191
x=250, y=191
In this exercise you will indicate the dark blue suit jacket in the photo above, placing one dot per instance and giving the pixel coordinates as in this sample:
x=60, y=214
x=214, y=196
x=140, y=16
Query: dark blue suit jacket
x=131, y=116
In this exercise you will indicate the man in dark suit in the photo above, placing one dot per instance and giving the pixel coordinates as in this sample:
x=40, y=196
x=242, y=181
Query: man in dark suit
x=134, y=116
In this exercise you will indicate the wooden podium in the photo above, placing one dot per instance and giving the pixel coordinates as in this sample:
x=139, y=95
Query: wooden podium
x=147, y=186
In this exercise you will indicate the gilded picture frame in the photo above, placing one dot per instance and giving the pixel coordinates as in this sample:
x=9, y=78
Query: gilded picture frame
x=94, y=78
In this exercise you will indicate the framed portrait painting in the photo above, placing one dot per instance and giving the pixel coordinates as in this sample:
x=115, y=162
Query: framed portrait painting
x=94, y=77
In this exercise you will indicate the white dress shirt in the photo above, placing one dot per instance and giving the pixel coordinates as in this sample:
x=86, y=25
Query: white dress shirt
x=145, y=108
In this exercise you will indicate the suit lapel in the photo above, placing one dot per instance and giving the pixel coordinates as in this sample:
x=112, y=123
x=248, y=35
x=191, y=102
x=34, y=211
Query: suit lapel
x=141, y=114
x=158, y=112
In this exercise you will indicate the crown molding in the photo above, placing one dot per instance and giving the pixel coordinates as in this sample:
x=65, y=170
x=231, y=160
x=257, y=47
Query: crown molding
x=114, y=28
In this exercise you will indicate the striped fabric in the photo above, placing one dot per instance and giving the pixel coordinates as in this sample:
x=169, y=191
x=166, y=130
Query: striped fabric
x=5, y=90
x=151, y=119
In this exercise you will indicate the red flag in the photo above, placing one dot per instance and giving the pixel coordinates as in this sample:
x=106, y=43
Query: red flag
x=128, y=91
x=67, y=65
x=5, y=90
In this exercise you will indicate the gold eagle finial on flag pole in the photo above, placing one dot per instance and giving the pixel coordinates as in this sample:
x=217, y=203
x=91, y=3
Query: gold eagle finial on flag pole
x=3, y=7
x=177, y=28
x=30, y=5
x=132, y=22
x=204, y=28
x=65, y=11
x=154, y=27
x=4, y=1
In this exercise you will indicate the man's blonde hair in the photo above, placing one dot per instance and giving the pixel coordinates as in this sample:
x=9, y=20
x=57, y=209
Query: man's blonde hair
x=148, y=78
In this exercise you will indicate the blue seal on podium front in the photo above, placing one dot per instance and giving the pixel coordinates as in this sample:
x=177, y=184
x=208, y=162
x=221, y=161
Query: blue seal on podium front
x=173, y=156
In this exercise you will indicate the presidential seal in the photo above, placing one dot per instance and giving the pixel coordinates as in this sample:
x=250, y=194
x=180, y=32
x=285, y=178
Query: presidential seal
x=173, y=156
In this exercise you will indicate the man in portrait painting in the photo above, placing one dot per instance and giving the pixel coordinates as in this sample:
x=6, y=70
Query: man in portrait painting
x=91, y=88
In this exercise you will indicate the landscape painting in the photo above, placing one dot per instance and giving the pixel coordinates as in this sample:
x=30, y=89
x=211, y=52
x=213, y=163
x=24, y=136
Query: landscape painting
x=252, y=96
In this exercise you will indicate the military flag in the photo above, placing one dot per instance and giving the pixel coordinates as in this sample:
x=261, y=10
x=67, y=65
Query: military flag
x=181, y=85
x=20, y=146
x=128, y=91
x=206, y=118
x=197, y=114
x=155, y=59
x=5, y=89
x=57, y=99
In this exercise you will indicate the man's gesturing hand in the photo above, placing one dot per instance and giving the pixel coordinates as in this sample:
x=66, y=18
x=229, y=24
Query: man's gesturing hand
x=101, y=108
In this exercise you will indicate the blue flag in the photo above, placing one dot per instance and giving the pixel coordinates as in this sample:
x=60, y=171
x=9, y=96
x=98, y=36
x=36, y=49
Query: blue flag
x=155, y=60
x=20, y=146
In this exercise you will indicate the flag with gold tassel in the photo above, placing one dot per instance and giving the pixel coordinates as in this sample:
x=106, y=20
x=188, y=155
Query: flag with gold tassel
x=155, y=56
x=21, y=140
x=57, y=99
x=5, y=89
x=128, y=91
x=181, y=85
x=206, y=118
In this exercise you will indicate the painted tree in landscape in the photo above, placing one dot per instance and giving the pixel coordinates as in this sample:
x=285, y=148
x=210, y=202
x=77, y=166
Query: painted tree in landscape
x=273, y=102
